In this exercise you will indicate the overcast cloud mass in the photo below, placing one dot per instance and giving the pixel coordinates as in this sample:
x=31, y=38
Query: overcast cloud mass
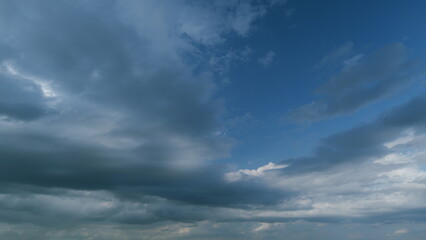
x=224, y=119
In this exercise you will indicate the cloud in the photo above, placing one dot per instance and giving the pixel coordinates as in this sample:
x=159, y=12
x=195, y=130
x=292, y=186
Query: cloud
x=222, y=61
x=366, y=141
x=353, y=176
x=208, y=22
x=267, y=59
x=238, y=175
x=103, y=113
x=401, y=231
x=361, y=81
x=337, y=54
x=21, y=99
x=106, y=125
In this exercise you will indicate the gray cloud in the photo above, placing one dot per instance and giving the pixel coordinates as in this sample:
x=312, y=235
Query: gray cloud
x=106, y=126
x=364, y=142
x=362, y=80
x=369, y=174
x=131, y=120
x=336, y=55
x=54, y=162
x=21, y=99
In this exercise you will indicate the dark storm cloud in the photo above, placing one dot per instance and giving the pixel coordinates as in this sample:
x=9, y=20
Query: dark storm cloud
x=363, y=80
x=364, y=142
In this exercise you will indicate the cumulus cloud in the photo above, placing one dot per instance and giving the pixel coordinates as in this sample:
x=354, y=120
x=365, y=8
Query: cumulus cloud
x=362, y=80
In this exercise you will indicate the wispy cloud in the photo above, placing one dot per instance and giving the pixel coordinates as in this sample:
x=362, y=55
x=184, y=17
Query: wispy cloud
x=362, y=80
x=267, y=59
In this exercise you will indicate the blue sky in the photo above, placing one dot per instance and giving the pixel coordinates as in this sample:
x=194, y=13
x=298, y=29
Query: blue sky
x=300, y=40
x=224, y=119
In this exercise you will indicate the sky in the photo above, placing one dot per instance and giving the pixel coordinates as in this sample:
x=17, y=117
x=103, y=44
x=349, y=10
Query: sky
x=218, y=120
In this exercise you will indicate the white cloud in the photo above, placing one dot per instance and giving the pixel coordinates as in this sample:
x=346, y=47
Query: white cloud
x=185, y=230
x=401, y=231
x=407, y=136
x=262, y=227
x=44, y=85
x=238, y=175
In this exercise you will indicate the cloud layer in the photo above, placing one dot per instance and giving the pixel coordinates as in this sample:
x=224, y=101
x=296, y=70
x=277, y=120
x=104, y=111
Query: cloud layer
x=110, y=125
